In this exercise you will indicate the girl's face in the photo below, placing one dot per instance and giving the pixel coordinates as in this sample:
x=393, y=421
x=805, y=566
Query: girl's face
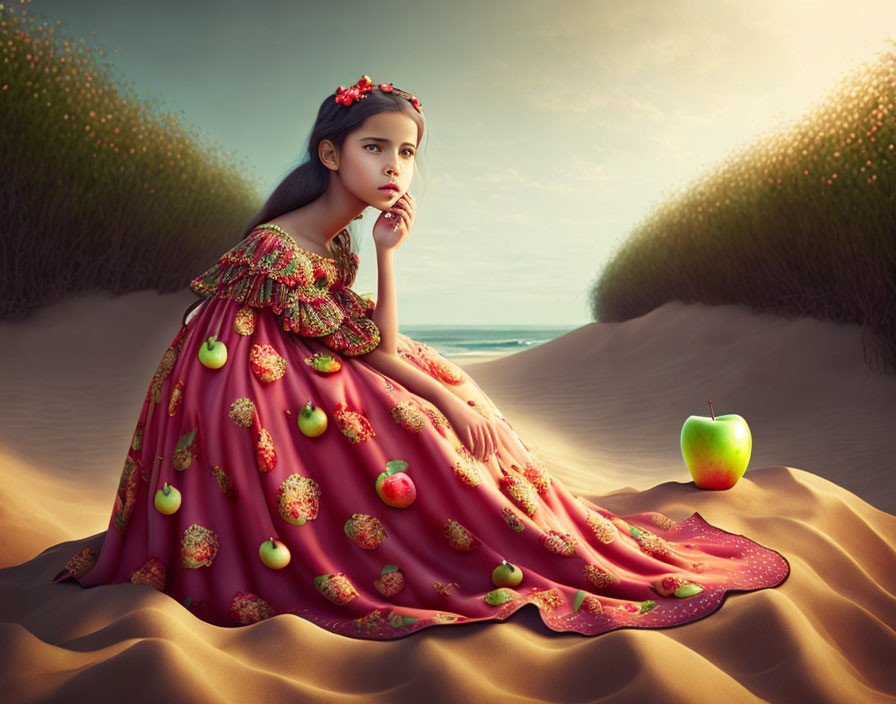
x=381, y=151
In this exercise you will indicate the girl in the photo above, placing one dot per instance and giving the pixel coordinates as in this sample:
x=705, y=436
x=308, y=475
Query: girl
x=296, y=454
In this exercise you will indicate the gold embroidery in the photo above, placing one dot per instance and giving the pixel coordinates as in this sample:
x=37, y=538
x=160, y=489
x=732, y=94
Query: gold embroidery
x=467, y=467
x=560, y=543
x=177, y=398
x=152, y=573
x=409, y=416
x=598, y=577
x=337, y=588
x=243, y=412
x=352, y=424
x=126, y=497
x=265, y=451
x=266, y=363
x=459, y=537
x=366, y=530
x=247, y=607
x=298, y=499
x=198, y=546
x=244, y=321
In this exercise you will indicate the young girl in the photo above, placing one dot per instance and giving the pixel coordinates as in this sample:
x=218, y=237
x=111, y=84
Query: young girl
x=296, y=454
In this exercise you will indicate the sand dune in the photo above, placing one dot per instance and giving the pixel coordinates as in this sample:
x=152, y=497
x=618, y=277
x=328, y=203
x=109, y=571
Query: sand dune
x=602, y=406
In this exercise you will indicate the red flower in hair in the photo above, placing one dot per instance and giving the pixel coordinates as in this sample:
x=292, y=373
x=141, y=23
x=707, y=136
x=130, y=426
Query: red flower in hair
x=359, y=91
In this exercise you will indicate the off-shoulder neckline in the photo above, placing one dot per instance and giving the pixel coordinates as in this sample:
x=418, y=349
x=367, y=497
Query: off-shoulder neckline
x=283, y=233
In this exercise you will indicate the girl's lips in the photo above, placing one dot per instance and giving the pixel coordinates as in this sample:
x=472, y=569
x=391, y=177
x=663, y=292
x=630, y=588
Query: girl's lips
x=391, y=189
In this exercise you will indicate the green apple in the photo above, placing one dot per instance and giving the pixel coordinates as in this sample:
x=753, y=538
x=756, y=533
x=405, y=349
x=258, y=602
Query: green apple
x=716, y=450
x=325, y=363
x=167, y=499
x=274, y=553
x=312, y=420
x=507, y=575
x=213, y=353
x=496, y=597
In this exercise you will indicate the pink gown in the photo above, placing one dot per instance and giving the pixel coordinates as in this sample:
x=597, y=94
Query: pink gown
x=228, y=439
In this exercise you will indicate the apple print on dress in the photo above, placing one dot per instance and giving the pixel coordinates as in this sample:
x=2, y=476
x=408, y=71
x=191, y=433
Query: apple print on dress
x=212, y=353
x=352, y=424
x=337, y=588
x=298, y=499
x=266, y=363
x=366, y=530
x=185, y=452
x=198, y=546
x=312, y=420
x=394, y=486
x=244, y=321
x=390, y=582
x=273, y=553
x=247, y=608
x=323, y=364
x=167, y=499
x=152, y=573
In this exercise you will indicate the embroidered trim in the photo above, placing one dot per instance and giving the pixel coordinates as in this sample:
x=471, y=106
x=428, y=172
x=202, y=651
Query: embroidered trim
x=308, y=291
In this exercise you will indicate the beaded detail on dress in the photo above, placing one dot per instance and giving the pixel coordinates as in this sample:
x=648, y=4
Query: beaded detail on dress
x=309, y=292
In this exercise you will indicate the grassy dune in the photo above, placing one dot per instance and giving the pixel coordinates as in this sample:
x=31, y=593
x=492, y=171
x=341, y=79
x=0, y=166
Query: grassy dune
x=800, y=223
x=101, y=190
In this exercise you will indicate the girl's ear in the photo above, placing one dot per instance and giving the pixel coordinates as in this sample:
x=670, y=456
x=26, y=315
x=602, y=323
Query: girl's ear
x=328, y=154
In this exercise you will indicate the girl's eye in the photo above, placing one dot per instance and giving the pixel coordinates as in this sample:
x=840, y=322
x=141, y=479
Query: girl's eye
x=409, y=151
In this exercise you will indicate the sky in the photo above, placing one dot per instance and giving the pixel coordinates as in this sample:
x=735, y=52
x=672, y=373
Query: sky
x=553, y=129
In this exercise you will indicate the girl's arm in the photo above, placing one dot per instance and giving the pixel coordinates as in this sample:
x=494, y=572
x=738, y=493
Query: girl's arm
x=395, y=367
x=385, y=315
x=480, y=436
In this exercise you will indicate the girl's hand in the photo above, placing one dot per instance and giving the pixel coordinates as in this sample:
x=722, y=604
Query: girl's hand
x=389, y=233
x=474, y=431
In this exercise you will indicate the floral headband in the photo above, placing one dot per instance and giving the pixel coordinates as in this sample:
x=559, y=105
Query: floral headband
x=359, y=91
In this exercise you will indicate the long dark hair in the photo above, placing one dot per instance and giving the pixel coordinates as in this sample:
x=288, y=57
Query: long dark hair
x=309, y=179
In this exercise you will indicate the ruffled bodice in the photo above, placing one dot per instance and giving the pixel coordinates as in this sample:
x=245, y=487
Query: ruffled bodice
x=310, y=293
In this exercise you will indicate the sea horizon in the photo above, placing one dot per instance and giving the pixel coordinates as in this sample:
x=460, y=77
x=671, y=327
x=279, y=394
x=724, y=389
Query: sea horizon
x=468, y=343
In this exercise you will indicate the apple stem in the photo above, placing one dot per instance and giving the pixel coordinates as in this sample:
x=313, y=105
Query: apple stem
x=711, y=410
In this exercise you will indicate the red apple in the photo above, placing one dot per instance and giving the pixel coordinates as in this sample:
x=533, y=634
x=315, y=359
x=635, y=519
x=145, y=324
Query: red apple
x=274, y=553
x=394, y=487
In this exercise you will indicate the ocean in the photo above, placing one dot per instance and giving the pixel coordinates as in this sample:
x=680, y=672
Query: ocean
x=474, y=342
